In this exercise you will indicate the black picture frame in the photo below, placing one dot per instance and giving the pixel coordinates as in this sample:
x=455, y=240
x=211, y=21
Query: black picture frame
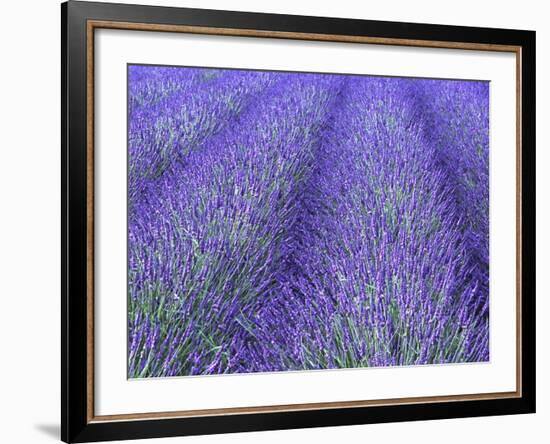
x=76, y=423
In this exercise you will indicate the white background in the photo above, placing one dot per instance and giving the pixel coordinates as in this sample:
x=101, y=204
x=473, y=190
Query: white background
x=115, y=394
x=29, y=235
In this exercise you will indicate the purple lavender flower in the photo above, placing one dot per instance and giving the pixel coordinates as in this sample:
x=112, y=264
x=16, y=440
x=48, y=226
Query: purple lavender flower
x=288, y=221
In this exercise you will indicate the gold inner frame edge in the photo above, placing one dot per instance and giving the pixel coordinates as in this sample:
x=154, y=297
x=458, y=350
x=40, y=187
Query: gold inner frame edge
x=97, y=24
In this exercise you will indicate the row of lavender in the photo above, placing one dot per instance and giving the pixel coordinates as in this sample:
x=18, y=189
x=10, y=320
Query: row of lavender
x=285, y=221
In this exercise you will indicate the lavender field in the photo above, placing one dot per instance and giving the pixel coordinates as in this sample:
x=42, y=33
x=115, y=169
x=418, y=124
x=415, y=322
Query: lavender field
x=289, y=221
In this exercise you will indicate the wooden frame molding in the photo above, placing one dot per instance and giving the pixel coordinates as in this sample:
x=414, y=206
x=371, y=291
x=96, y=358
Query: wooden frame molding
x=80, y=21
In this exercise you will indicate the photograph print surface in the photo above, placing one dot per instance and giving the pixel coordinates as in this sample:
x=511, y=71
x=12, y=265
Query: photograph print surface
x=282, y=221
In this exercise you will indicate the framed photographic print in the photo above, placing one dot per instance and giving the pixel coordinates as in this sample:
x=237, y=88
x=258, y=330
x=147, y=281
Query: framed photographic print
x=275, y=221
